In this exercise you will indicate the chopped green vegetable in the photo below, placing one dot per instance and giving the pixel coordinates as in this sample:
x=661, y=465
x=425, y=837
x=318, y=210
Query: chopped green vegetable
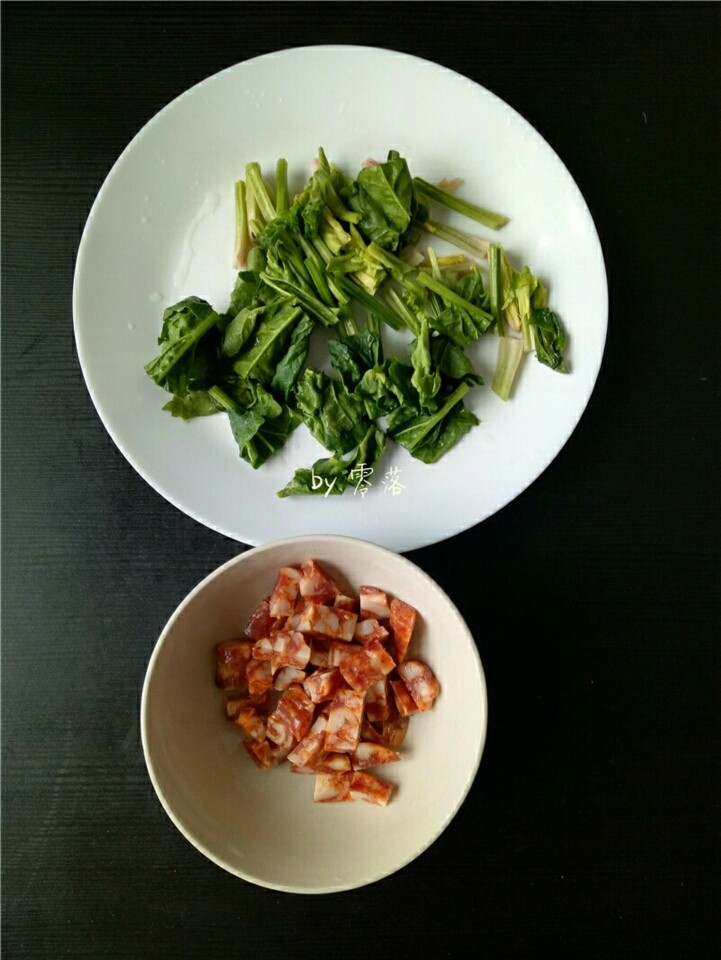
x=259, y=359
x=510, y=353
x=334, y=416
x=259, y=424
x=189, y=354
x=549, y=338
x=340, y=249
x=493, y=220
x=427, y=436
x=290, y=365
x=385, y=197
x=495, y=283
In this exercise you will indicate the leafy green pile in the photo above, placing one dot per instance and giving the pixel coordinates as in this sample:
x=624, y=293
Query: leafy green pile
x=343, y=249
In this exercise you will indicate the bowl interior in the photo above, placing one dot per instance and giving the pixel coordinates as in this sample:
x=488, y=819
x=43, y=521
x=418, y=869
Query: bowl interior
x=263, y=825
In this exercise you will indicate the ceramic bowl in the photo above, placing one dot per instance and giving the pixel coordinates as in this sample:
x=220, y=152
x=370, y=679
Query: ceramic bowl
x=263, y=825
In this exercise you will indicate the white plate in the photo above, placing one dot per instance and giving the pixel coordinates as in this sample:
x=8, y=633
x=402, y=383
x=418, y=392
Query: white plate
x=162, y=228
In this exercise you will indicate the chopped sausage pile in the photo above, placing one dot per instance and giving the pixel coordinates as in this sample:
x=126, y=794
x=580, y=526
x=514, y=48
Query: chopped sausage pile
x=323, y=681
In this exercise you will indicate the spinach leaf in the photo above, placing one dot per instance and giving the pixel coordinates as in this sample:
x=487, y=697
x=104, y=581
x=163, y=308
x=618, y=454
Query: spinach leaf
x=387, y=386
x=191, y=344
x=269, y=437
x=196, y=403
x=259, y=358
x=312, y=202
x=335, y=417
x=244, y=292
x=445, y=434
x=425, y=379
x=356, y=354
x=384, y=195
x=470, y=287
x=240, y=328
x=345, y=362
x=368, y=455
x=452, y=361
x=550, y=339
x=456, y=324
x=260, y=425
x=423, y=433
x=250, y=395
x=290, y=365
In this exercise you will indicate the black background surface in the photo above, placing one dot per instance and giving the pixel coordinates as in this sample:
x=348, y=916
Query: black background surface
x=592, y=829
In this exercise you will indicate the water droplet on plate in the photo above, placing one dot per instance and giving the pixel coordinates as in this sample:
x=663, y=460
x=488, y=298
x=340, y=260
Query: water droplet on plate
x=155, y=297
x=131, y=326
x=143, y=219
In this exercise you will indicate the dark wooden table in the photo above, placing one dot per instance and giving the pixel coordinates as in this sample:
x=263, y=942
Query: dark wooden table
x=592, y=829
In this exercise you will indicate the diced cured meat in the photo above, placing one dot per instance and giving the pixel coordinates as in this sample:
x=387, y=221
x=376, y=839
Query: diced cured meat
x=323, y=684
x=379, y=657
x=290, y=650
x=344, y=721
x=288, y=675
x=394, y=730
x=372, y=755
x=260, y=677
x=285, y=592
x=373, y=603
x=263, y=649
x=345, y=688
x=403, y=620
x=315, y=584
x=377, y=705
x=310, y=748
x=368, y=630
x=332, y=787
x=405, y=703
x=364, y=786
x=278, y=730
x=234, y=705
x=295, y=711
x=265, y=754
x=287, y=648
x=250, y=720
x=358, y=671
x=365, y=666
x=261, y=622
x=231, y=663
x=332, y=623
x=337, y=652
x=346, y=603
x=421, y=683
x=333, y=761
